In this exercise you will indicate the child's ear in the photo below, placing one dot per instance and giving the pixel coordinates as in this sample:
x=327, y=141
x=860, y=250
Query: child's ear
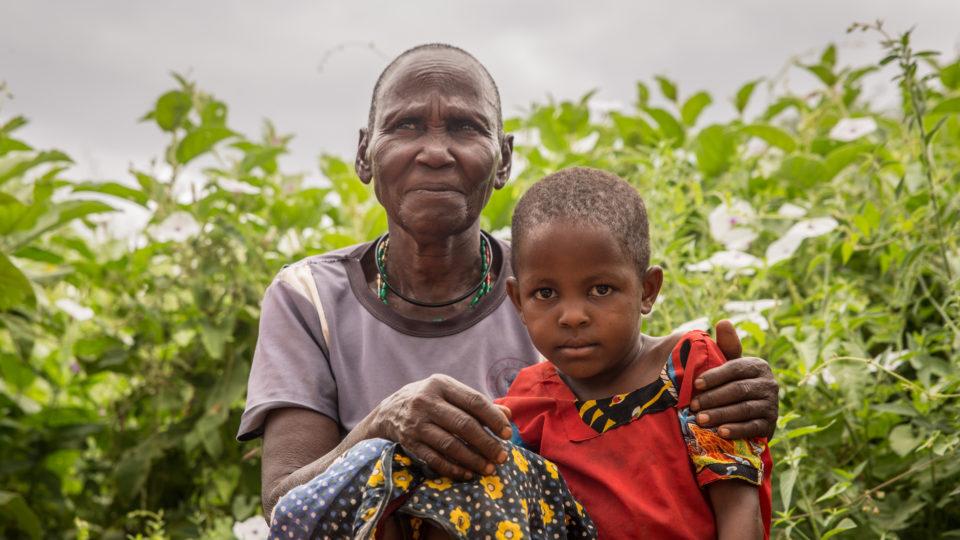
x=513, y=291
x=652, y=281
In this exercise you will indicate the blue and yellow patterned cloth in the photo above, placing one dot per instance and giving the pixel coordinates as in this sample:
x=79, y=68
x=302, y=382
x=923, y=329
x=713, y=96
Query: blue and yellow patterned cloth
x=524, y=498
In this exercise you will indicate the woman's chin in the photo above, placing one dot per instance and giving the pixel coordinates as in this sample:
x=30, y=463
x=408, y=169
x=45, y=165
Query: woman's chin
x=438, y=222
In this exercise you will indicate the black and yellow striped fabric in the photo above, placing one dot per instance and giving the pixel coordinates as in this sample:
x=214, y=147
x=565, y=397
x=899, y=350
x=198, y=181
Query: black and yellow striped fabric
x=605, y=414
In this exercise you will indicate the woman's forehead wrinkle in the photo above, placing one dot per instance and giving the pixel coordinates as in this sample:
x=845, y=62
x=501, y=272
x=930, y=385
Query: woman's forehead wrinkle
x=412, y=83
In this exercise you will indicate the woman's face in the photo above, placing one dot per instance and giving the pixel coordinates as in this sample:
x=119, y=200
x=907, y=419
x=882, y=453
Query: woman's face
x=434, y=151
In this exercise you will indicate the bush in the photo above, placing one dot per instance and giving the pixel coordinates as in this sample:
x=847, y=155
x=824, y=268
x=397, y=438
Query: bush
x=826, y=229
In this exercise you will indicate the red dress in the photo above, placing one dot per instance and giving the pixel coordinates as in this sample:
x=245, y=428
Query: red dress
x=638, y=461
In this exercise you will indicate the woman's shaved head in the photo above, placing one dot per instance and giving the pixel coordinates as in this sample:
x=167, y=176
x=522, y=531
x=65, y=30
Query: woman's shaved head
x=428, y=48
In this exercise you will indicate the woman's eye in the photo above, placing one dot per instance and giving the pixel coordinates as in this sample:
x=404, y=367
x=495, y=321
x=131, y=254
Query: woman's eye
x=543, y=294
x=600, y=290
x=406, y=124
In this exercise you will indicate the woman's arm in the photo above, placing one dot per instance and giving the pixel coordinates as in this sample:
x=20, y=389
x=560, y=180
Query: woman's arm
x=739, y=398
x=736, y=509
x=439, y=419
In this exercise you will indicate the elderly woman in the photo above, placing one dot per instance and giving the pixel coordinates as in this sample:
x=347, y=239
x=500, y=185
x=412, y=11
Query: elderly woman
x=408, y=338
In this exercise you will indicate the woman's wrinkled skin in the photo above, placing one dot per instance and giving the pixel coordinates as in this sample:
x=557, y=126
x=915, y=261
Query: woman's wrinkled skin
x=435, y=152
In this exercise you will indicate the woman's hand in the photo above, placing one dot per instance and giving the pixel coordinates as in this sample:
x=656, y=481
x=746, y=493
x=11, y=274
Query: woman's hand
x=740, y=398
x=441, y=421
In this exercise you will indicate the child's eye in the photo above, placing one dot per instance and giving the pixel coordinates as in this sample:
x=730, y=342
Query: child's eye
x=543, y=294
x=600, y=290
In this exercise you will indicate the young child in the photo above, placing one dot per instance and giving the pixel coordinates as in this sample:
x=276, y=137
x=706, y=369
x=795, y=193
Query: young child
x=610, y=408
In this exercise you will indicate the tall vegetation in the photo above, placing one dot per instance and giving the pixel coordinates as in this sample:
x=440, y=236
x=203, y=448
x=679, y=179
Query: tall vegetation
x=827, y=229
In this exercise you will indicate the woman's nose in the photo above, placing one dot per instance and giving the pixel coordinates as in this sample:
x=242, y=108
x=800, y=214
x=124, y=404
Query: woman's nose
x=435, y=152
x=573, y=315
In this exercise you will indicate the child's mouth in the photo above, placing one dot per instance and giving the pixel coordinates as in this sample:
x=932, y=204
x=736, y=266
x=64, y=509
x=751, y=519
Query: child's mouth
x=577, y=349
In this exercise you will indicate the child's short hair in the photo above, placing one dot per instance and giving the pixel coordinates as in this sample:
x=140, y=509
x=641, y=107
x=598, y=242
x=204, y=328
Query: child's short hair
x=591, y=195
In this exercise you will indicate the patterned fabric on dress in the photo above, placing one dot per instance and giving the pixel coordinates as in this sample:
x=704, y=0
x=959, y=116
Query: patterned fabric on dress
x=713, y=457
x=524, y=498
x=637, y=461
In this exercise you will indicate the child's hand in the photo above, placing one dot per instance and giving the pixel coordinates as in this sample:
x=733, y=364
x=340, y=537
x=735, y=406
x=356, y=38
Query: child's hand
x=740, y=398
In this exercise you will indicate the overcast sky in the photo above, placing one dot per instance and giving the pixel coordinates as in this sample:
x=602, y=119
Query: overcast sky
x=84, y=71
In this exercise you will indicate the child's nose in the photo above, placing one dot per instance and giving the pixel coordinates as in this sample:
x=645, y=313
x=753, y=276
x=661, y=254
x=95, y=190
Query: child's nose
x=573, y=315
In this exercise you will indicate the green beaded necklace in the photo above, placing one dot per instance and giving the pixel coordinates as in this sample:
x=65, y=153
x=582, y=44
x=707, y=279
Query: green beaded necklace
x=478, y=291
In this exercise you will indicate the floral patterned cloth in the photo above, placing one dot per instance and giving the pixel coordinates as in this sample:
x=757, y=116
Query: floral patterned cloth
x=524, y=498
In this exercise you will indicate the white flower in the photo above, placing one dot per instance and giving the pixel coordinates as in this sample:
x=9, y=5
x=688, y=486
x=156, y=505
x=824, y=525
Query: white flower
x=783, y=248
x=697, y=324
x=178, y=227
x=755, y=147
x=253, y=528
x=750, y=306
x=234, y=186
x=849, y=129
x=729, y=224
x=790, y=210
x=75, y=310
x=890, y=359
x=730, y=260
x=754, y=317
x=289, y=244
x=586, y=144
x=812, y=228
x=502, y=234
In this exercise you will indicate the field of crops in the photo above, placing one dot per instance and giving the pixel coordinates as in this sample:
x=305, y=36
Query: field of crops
x=826, y=229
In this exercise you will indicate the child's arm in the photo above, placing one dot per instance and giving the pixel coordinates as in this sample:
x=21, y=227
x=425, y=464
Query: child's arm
x=736, y=508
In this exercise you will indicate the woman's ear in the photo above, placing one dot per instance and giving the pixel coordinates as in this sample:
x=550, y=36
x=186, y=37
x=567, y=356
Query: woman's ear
x=506, y=161
x=362, y=164
x=513, y=291
x=652, y=281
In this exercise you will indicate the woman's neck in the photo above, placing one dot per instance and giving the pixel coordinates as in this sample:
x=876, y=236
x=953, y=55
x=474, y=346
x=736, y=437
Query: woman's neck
x=433, y=269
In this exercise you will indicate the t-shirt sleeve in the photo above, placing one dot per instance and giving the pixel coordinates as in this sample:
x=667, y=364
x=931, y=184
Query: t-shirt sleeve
x=713, y=457
x=290, y=363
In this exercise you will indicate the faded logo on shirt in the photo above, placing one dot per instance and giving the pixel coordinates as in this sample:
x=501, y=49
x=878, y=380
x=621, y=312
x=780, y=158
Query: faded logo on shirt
x=502, y=373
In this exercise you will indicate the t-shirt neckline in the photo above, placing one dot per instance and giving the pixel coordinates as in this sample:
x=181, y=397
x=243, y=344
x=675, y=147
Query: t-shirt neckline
x=418, y=328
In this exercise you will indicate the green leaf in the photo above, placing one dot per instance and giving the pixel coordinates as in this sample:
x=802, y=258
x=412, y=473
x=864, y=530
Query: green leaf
x=669, y=127
x=822, y=72
x=803, y=170
x=15, y=289
x=743, y=95
x=787, y=480
x=643, y=95
x=694, y=106
x=902, y=439
x=116, y=190
x=12, y=125
x=714, y=148
x=8, y=145
x=845, y=525
x=171, y=109
x=834, y=490
x=214, y=339
x=843, y=156
x=14, y=510
x=950, y=76
x=774, y=136
x=15, y=166
x=829, y=56
x=947, y=106
x=667, y=88
x=200, y=141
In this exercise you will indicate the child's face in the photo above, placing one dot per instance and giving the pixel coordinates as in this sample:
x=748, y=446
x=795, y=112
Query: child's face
x=581, y=298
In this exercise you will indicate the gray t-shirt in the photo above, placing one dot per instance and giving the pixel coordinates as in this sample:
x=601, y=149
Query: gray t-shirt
x=328, y=344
